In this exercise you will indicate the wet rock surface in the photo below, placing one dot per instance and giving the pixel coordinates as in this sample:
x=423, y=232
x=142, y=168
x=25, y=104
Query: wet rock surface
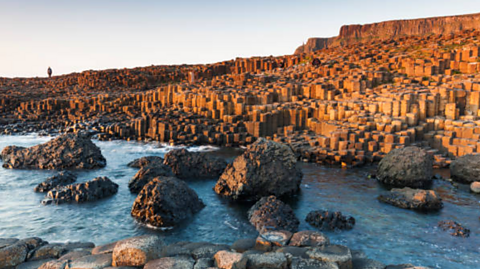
x=194, y=165
x=454, y=228
x=406, y=167
x=408, y=198
x=98, y=188
x=466, y=169
x=69, y=151
x=146, y=174
x=137, y=251
x=265, y=168
x=166, y=201
x=270, y=213
x=329, y=220
x=61, y=179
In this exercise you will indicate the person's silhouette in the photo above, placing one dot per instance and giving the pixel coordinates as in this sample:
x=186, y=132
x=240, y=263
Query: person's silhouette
x=49, y=71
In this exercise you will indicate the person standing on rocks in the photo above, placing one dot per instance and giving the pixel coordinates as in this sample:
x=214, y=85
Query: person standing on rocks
x=49, y=71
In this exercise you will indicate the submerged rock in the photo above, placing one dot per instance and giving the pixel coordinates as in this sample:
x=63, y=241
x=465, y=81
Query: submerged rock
x=265, y=168
x=325, y=220
x=144, y=161
x=412, y=199
x=455, y=228
x=165, y=201
x=270, y=214
x=98, y=188
x=466, y=169
x=147, y=174
x=194, y=165
x=309, y=239
x=61, y=179
x=69, y=151
x=406, y=167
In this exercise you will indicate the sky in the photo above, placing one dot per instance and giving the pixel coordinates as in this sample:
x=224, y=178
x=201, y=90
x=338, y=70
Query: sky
x=73, y=36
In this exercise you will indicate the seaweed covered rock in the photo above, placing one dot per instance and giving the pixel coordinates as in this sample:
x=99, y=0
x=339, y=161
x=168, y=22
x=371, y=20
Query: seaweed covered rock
x=406, y=167
x=466, y=169
x=194, y=165
x=269, y=213
x=98, y=188
x=165, y=201
x=69, y=151
x=326, y=220
x=265, y=168
x=412, y=199
x=455, y=228
x=61, y=179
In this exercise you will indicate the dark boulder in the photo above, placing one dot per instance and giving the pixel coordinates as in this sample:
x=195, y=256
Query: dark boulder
x=265, y=168
x=98, y=188
x=455, y=228
x=147, y=174
x=466, y=169
x=61, y=179
x=412, y=199
x=166, y=201
x=194, y=165
x=326, y=220
x=406, y=167
x=69, y=151
x=144, y=161
x=270, y=214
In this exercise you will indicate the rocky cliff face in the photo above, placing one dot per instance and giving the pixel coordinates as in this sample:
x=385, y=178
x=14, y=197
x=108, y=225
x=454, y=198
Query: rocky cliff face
x=350, y=34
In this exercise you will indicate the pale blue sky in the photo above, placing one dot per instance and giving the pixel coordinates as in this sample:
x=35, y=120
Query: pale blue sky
x=72, y=36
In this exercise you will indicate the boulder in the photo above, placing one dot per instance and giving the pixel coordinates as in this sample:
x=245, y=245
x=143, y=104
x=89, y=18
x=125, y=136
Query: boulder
x=61, y=179
x=144, y=161
x=166, y=201
x=242, y=245
x=32, y=264
x=455, y=228
x=230, y=260
x=104, y=249
x=146, y=174
x=48, y=251
x=309, y=239
x=55, y=264
x=406, y=167
x=475, y=187
x=69, y=151
x=270, y=214
x=466, y=169
x=364, y=263
x=265, y=168
x=208, y=251
x=325, y=220
x=338, y=254
x=412, y=199
x=5, y=242
x=91, y=262
x=194, y=165
x=13, y=255
x=137, y=251
x=171, y=263
x=98, y=188
x=275, y=238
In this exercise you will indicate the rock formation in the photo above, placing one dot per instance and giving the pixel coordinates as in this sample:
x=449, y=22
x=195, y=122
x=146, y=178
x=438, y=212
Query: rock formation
x=412, y=199
x=166, y=201
x=61, y=179
x=407, y=167
x=269, y=213
x=98, y=188
x=194, y=165
x=351, y=34
x=265, y=168
x=146, y=174
x=325, y=220
x=466, y=169
x=70, y=151
x=144, y=161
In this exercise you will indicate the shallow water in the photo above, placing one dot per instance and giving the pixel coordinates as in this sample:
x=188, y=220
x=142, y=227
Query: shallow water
x=383, y=232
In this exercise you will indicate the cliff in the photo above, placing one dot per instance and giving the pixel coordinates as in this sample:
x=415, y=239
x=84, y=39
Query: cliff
x=350, y=34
